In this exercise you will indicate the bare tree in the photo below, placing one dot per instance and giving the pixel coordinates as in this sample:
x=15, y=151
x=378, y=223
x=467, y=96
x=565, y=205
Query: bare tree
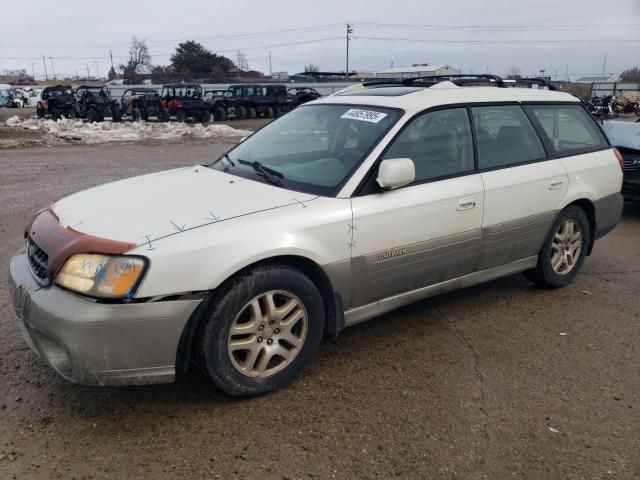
x=139, y=60
x=241, y=61
x=311, y=68
x=513, y=73
x=630, y=75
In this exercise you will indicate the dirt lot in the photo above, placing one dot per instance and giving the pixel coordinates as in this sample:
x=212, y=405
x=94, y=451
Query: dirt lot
x=499, y=381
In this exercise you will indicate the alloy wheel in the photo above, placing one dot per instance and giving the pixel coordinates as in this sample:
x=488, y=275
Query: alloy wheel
x=267, y=334
x=566, y=246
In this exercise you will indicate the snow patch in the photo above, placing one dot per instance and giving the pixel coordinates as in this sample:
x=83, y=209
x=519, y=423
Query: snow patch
x=103, y=132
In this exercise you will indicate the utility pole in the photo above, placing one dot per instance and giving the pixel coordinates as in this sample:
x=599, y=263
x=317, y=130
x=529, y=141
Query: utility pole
x=53, y=70
x=604, y=65
x=111, y=55
x=33, y=70
x=88, y=72
x=349, y=32
x=270, y=70
x=44, y=63
x=97, y=69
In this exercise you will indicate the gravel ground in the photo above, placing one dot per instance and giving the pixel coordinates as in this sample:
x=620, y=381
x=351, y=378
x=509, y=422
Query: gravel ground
x=498, y=381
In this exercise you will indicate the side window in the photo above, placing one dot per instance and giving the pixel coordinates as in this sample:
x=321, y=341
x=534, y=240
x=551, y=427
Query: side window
x=505, y=136
x=439, y=143
x=568, y=127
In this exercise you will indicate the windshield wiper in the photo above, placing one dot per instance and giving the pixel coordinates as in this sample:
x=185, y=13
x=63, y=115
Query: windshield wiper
x=268, y=173
x=228, y=158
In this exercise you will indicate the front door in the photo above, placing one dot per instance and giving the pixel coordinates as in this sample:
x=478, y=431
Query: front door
x=426, y=232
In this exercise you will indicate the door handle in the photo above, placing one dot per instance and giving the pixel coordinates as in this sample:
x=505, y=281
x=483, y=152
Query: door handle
x=556, y=183
x=467, y=203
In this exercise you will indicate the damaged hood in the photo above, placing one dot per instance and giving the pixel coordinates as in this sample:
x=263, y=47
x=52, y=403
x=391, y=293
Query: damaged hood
x=150, y=207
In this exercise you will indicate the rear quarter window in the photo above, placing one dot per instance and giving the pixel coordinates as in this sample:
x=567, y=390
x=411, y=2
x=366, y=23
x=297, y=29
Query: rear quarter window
x=567, y=128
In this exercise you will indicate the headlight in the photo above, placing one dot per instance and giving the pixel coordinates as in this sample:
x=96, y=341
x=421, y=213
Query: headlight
x=104, y=276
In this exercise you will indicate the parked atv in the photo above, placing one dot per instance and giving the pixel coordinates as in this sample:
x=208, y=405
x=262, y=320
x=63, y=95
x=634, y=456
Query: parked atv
x=142, y=103
x=221, y=104
x=94, y=103
x=57, y=101
x=184, y=100
x=303, y=94
x=266, y=101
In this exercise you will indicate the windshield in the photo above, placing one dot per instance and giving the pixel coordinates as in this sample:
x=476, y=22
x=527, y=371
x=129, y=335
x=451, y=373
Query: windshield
x=5, y=93
x=314, y=149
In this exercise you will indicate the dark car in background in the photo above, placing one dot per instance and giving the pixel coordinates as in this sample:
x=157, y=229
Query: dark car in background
x=184, y=100
x=222, y=105
x=94, y=103
x=303, y=94
x=625, y=136
x=142, y=103
x=57, y=101
x=265, y=101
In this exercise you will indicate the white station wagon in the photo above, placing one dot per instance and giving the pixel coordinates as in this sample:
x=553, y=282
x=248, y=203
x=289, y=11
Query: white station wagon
x=347, y=207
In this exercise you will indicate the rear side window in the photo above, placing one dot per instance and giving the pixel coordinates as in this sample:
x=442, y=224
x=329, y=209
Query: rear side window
x=568, y=128
x=505, y=137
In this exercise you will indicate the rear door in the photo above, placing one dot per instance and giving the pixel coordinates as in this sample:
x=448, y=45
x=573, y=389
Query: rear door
x=523, y=185
x=426, y=232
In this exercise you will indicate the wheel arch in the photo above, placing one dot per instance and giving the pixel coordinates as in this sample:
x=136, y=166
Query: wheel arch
x=589, y=209
x=334, y=311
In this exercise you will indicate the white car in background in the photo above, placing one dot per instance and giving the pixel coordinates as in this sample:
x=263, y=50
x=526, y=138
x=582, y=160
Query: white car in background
x=347, y=207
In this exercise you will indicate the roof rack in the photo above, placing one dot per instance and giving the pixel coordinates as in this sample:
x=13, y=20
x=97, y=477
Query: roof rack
x=460, y=80
x=537, y=81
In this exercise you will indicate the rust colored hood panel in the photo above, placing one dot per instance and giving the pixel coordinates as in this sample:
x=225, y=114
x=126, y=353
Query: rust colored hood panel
x=60, y=242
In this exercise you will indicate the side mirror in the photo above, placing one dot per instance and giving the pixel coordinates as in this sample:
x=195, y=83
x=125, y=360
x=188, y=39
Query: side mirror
x=396, y=172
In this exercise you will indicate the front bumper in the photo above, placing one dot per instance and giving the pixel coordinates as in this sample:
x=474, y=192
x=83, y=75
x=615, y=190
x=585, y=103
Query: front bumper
x=98, y=343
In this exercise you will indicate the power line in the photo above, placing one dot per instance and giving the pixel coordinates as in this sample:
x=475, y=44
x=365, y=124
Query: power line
x=492, y=42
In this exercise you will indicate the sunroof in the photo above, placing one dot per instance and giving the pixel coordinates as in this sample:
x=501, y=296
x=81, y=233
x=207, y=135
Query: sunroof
x=380, y=92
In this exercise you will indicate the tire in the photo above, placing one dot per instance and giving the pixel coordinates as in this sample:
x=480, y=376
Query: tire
x=164, y=114
x=92, y=116
x=220, y=114
x=181, y=116
x=270, y=112
x=116, y=114
x=545, y=274
x=637, y=111
x=252, y=113
x=136, y=115
x=204, y=116
x=241, y=113
x=278, y=112
x=39, y=112
x=246, y=375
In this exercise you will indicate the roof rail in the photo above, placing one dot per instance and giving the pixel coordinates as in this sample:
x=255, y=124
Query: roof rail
x=538, y=81
x=458, y=78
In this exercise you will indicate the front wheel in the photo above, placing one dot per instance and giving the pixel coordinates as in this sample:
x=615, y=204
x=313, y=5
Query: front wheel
x=116, y=114
x=181, y=116
x=564, y=249
x=637, y=111
x=39, y=112
x=262, y=330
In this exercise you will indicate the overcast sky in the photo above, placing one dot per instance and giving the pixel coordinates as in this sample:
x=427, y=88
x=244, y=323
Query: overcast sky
x=493, y=35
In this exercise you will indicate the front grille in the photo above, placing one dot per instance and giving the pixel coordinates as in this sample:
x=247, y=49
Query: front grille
x=38, y=262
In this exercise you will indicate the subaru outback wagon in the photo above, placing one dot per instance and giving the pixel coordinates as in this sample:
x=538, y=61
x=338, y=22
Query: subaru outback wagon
x=347, y=207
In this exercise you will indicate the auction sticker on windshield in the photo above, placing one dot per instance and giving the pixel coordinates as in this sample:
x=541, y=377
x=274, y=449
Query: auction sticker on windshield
x=363, y=115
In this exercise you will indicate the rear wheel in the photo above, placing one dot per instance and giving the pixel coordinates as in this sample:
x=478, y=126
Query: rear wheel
x=92, y=116
x=262, y=330
x=164, y=114
x=220, y=114
x=241, y=113
x=564, y=249
x=181, y=116
x=116, y=114
x=270, y=112
x=252, y=112
x=39, y=112
x=136, y=115
x=278, y=112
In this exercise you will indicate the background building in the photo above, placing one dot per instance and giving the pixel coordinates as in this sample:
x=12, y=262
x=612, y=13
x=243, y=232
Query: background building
x=416, y=70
